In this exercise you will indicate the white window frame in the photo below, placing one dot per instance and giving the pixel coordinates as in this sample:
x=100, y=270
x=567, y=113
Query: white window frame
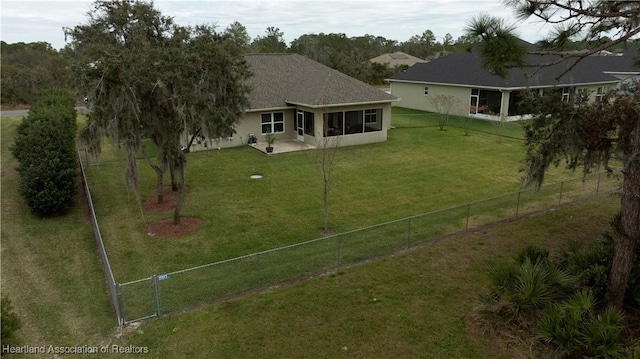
x=272, y=122
x=370, y=114
x=566, y=94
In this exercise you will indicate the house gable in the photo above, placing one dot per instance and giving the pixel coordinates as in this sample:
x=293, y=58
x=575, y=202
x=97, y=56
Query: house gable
x=292, y=95
x=479, y=93
x=281, y=80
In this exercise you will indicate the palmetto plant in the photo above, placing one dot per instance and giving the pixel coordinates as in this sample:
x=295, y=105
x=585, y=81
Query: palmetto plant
x=529, y=284
x=575, y=327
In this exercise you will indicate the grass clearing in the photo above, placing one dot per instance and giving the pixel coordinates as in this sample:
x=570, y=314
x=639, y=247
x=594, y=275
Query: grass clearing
x=50, y=270
x=417, y=170
x=414, y=305
x=422, y=298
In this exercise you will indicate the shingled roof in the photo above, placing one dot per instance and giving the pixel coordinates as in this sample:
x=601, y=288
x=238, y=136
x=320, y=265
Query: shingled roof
x=281, y=80
x=397, y=59
x=465, y=69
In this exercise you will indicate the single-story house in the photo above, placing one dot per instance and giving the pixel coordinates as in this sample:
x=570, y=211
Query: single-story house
x=476, y=92
x=395, y=59
x=298, y=99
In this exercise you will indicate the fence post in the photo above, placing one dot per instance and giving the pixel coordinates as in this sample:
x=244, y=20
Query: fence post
x=258, y=270
x=598, y=185
x=338, y=245
x=518, y=204
x=409, y=235
x=123, y=306
x=560, y=197
x=156, y=293
x=466, y=226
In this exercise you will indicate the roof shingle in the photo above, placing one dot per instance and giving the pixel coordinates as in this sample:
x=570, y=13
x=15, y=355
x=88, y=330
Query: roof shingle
x=282, y=79
x=465, y=69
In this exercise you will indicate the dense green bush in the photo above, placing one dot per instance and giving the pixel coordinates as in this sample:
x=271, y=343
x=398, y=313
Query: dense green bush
x=530, y=283
x=9, y=321
x=576, y=328
x=591, y=266
x=569, y=297
x=45, y=149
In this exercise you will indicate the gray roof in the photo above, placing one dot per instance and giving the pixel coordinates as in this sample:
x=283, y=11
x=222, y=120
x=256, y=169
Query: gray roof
x=280, y=80
x=396, y=59
x=465, y=69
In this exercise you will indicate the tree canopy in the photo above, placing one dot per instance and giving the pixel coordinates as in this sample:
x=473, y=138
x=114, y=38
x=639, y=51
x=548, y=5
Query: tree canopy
x=150, y=78
x=580, y=134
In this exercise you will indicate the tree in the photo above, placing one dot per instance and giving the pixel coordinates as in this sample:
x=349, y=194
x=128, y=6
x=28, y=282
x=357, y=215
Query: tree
x=238, y=33
x=30, y=68
x=586, y=135
x=422, y=46
x=150, y=78
x=443, y=105
x=328, y=151
x=45, y=149
x=272, y=42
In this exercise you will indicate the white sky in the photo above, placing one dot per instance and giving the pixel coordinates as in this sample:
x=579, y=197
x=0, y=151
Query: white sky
x=31, y=21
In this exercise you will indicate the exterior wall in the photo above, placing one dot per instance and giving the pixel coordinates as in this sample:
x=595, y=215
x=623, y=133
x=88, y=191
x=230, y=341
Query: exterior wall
x=412, y=95
x=251, y=124
x=352, y=139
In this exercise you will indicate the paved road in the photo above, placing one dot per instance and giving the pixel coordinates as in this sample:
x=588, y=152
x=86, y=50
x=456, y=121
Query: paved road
x=14, y=113
x=25, y=112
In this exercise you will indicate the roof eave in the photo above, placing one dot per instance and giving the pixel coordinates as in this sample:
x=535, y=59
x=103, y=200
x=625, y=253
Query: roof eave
x=342, y=104
x=513, y=88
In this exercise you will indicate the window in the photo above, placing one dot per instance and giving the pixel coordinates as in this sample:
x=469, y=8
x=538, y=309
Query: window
x=272, y=122
x=600, y=93
x=353, y=122
x=566, y=94
x=333, y=123
x=373, y=120
x=426, y=90
x=309, y=127
x=583, y=95
x=473, y=105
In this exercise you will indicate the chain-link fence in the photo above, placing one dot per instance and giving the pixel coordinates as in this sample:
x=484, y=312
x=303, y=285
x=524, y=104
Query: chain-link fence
x=169, y=292
x=111, y=282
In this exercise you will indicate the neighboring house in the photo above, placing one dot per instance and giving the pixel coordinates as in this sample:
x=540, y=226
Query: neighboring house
x=396, y=59
x=301, y=100
x=478, y=93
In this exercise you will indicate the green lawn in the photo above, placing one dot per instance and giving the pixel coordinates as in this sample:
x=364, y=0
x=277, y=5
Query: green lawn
x=49, y=267
x=416, y=304
x=417, y=170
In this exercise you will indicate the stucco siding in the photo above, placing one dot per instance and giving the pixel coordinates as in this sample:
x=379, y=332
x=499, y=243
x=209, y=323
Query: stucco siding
x=413, y=96
x=251, y=124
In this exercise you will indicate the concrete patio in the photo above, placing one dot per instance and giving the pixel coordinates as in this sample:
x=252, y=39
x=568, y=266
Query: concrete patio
x=283, y=146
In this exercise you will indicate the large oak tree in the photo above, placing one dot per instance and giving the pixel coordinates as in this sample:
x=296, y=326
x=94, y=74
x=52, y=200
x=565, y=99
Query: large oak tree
x=148, y=77
x=584, y=135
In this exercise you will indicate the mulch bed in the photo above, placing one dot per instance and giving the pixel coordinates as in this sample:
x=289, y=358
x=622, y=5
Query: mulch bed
x=165, y=228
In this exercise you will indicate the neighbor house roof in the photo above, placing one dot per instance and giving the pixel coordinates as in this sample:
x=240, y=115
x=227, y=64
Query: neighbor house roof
x=397, y=59
x=281, y=80
x=465, y=69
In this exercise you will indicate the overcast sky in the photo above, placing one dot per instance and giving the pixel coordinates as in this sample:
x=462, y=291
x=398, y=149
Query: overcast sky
x=31, y=21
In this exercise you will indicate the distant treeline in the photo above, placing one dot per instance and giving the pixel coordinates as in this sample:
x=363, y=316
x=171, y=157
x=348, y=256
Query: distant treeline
x=29, y=68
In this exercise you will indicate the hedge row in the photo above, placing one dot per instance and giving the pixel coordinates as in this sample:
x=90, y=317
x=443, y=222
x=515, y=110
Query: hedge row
x=45, y=149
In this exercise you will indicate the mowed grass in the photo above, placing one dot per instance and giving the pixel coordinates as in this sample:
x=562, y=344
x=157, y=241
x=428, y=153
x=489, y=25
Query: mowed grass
x=422, y=306
x=417, y=170
x=49, y=267
x=419, y=304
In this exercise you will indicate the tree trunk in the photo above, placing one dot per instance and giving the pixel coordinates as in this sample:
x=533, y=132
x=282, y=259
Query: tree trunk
x=626, y=244
x=159, y=176
x=180, y=173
